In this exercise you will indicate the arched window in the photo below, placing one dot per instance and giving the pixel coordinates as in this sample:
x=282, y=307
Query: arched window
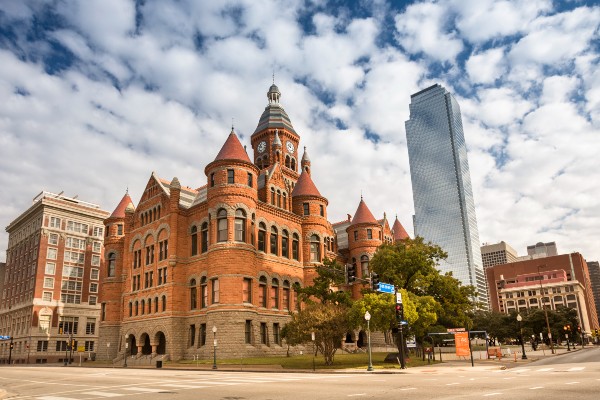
x=159, y=211
x=262, y=291
x=315, y=249
x=259, y=163
x=137, y=308
x=285, y=250
x=273, y=196
x=295, y=247
x=204, y=238
x=273, y=240
x=284, y=201
x=130, y=309
x=222, y=226
x=287, y=161
x=112, y=265
x=240, y=225
x=143, y=306
x=204, y=292
x=156, y=304
x=286, y=295
x=265, y=161
x=194, y=240
x=164, y=303
x=364, y=266
x=262, y=233
x=193, y=295
x=279, y=198
x=150, y=302
x=274, y=293
x=293, y=164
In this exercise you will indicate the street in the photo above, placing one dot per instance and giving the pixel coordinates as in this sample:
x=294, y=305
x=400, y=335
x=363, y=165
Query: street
x=558, y=377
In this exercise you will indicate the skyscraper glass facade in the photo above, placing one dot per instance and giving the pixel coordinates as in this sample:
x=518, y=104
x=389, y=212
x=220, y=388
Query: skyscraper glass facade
x=442, y=193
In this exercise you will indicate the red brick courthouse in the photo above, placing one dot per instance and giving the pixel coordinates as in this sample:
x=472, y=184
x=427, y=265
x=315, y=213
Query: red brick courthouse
x=227, y=254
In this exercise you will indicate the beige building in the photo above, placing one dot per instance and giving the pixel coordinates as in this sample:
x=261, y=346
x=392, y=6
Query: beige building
x=498, y=253
x=51, y=280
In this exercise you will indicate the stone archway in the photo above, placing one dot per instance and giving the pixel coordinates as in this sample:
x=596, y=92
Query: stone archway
x=133, y=350
x=349, y=338
x=161, y=343
x=145, y=344
x=362, y=339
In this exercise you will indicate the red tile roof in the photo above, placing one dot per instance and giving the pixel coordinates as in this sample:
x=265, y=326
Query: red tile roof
x=399, y=231
x=305, y=186
x=363, y=214
x=232, y=149
x=120, y=210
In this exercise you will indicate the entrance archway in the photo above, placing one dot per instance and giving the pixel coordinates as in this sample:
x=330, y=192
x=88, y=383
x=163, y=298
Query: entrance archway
x=133, y=350
x=146, y=347
x=362, y=338
x=349, y=338
x=161, y=348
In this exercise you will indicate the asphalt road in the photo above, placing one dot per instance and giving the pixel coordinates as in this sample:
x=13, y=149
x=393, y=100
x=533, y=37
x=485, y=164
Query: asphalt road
x=573, y=375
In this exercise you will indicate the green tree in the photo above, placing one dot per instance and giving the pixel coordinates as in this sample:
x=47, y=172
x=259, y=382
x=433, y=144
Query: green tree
x=329, y=275
x=328, y=322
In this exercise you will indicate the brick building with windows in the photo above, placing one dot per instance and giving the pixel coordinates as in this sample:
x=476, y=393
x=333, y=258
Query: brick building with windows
x=49, y=295
x=228, y=254
x=550, y=282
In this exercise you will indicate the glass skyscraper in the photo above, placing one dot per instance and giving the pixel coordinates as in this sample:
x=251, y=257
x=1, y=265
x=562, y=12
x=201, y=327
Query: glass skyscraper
x=442, y=193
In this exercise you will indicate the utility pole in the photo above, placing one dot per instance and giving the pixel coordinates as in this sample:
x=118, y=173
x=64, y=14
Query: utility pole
x=399, y=320
x=10, y=350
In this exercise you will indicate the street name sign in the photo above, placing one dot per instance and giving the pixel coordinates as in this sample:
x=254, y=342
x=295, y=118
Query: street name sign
x=386, y=288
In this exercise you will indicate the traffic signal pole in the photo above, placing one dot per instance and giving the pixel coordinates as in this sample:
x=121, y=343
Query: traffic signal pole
x=10, y=350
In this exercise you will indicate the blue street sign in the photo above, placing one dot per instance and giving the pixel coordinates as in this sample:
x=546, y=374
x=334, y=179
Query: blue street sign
x=4, y=337
x=386, y=288
x=403, y=323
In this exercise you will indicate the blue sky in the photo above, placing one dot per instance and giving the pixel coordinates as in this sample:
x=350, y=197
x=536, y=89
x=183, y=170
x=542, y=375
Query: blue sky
x=98, y=94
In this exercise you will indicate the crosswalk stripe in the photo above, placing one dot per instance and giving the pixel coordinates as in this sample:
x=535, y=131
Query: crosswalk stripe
x=143, y=389
x=103, y=394
x=54, y=398
x=576, y=369
x=176, y=385
x=545, y=369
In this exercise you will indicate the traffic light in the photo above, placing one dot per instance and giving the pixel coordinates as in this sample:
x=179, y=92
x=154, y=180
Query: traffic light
x=596, y=332
x=399, y=312
x=374, y=282
x=12, y=345
x=351, y=273
x=578, y=328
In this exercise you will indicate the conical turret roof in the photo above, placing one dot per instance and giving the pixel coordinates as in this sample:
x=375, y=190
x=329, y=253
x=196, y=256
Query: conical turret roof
x=305, y=186
x=123, y=204
x=399, y=231
x=363, y=214
x=232, y=149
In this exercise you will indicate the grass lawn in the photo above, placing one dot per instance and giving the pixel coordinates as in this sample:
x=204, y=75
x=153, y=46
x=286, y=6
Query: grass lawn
x=341, y=361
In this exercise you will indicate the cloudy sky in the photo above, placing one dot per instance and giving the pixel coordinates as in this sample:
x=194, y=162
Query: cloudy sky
x=97, y=94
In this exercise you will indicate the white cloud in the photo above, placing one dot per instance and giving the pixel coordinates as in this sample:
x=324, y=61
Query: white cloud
x=423, y=28
x=482, y=20
x=486, y=66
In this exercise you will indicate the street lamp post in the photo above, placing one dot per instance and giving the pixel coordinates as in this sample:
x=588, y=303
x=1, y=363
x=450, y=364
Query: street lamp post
x=519, y=319
x=214, y=329
x=368, y=318
x=568, y=345
x=126, y=347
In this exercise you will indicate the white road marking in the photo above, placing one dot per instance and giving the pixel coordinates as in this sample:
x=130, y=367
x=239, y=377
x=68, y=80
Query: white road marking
x=491, y=394
x=217, y=383
x=143, y=389
x=518, y=371
x=450, y=384
x=103, y=394
x=176, y=385
x=357, y=394
x=54, y=398
x=410, y=388
x=509, y=377
x=545, y=369
x=536, y=387
x=571, y=383
x=576, y=369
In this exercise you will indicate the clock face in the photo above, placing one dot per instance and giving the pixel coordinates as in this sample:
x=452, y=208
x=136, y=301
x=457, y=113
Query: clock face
x=262, y=146
x=290, y=147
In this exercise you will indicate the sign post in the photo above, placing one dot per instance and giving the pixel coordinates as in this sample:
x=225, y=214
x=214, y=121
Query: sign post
x=400, y=320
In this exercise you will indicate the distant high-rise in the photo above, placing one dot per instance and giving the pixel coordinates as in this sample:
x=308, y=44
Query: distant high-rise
x=594, y=271
x=498, y=253
x=442, y=194
x=541, y=250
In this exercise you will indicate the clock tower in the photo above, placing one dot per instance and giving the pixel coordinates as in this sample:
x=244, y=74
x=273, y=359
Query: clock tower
x=275, y=140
